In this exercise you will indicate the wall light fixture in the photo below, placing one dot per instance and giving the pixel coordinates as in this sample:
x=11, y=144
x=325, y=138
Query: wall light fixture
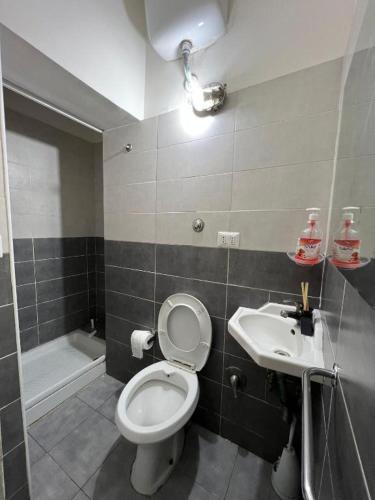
x=209, y=98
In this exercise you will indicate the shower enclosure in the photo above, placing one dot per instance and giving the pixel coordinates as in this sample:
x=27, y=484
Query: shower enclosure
x=55, y=177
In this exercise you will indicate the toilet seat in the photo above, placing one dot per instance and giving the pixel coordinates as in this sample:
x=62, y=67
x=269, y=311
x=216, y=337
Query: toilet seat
x=185, y=331
x=133, y=428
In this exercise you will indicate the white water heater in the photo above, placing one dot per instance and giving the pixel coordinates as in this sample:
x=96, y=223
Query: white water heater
x=171, y=21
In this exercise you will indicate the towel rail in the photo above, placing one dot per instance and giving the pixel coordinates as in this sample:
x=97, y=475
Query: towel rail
x=307, y=472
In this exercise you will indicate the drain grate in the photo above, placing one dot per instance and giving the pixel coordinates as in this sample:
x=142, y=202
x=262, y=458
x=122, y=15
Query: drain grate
x=280, y=352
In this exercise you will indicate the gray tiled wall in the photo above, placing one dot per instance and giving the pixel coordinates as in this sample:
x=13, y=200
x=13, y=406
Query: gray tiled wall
x=59, y=286
x=347, y=443
x=13, y=466
x=253, y=168
x=140, y=276
x=13, y=453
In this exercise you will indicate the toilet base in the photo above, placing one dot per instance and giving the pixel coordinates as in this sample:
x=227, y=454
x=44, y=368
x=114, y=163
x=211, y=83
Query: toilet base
x=154, y=463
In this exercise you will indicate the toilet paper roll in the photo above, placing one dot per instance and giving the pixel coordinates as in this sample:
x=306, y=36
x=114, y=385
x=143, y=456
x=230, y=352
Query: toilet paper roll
x=141, y=340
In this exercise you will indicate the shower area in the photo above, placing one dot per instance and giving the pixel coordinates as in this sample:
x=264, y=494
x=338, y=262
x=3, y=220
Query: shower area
x=55, y=176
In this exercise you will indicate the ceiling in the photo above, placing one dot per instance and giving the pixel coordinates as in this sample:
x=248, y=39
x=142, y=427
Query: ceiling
x=265, y=39
x=27, y=107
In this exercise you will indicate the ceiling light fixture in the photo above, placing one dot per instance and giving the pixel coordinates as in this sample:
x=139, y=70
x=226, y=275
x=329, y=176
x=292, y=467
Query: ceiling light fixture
x=209, y=98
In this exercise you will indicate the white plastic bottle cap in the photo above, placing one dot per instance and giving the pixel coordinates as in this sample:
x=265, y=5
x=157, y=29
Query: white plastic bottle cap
x=314, y=216
x=348, y=216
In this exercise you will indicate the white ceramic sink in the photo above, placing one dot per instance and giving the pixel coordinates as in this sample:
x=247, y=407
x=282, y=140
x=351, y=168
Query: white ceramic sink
x=276, y=343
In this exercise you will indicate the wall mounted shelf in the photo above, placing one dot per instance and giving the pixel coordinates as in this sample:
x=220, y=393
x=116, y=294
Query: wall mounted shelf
x=347, y=267
x=292, y=256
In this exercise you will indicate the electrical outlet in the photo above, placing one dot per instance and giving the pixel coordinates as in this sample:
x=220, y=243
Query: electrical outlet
x=234, y=240
x=228, y=240
x=222, y=239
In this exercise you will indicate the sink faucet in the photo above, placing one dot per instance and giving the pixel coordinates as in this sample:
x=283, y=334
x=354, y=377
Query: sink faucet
x=297, y=314
x=305, y=318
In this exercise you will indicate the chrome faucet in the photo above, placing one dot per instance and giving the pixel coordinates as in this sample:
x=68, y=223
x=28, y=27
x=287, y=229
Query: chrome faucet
x=236, y=379
x=304, y=318
x=297, y=314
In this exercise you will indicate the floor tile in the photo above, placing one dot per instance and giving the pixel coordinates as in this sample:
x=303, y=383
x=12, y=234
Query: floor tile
x=36, y=452
x=49, y=482
x=251, y=478
x=180, y=486
x=52, y=428
x=272, y=495
x=81, y=496
x=96, y=393
x=208, y=459
x=109, y=407
x=83, y=451
x=112, y=480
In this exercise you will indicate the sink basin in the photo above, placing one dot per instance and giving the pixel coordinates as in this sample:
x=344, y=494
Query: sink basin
x=275, y=342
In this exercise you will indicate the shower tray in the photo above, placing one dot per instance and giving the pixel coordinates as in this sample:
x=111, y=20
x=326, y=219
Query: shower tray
x=54, y=371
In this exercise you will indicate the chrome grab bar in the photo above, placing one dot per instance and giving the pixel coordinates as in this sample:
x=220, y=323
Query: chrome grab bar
x=307, y=473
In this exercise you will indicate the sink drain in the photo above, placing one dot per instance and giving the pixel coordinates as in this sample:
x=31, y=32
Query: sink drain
x=280, y=352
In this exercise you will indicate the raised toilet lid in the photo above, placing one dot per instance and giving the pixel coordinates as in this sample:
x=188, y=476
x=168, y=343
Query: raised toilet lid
x=185, y=331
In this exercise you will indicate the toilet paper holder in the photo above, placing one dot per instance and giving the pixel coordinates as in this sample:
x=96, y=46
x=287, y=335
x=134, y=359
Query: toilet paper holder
x=154, y=335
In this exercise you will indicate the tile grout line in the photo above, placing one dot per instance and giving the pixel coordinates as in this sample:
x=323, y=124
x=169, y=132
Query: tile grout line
x=60, y=257
x=96, y=279
x=12, y=402
x=5, y=357
x=75, y=396
x=12, y=449
x=59, y=317
x=19, y=490
x=322, y=471
x=36, y=291
x=96, y=470
x=127, y=321
x=223, y=360
x=210, y=281
x=62, y=469
x=363, y=474
x=155, y=275
x=51, y=279
x=341, y=313
x=81, y=292
x=231, y=474
x=87, y=278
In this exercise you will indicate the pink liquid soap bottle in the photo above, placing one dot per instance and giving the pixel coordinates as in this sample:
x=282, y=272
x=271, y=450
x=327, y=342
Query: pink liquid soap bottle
x=347, y=243
x=310, y=241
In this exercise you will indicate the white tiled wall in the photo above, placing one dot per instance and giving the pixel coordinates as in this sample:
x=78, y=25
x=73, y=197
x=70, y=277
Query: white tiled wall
x=253, y=167
x=52, y=180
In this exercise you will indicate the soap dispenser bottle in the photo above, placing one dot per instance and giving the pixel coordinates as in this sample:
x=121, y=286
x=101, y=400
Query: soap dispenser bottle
x=310, y=241
x=347, y=242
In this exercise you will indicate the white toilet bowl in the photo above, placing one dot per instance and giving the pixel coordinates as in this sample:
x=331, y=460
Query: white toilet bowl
x=159, y=400
x=152, y=409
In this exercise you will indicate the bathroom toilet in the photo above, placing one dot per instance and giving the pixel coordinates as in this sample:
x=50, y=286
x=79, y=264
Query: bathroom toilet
x=159, y=400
